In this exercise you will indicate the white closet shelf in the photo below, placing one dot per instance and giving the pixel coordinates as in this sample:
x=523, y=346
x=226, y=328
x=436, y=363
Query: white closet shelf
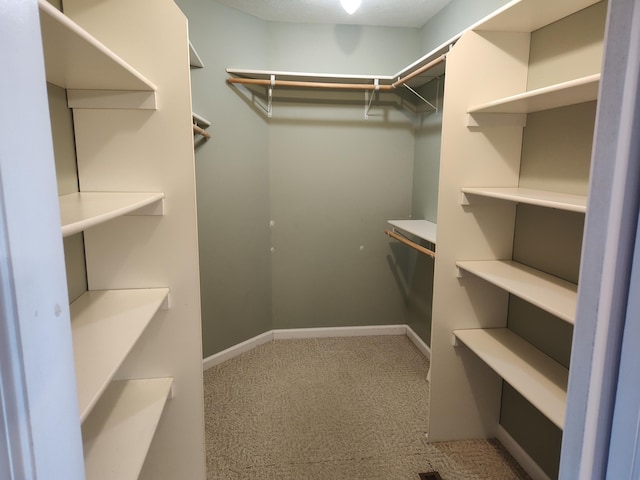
x=541, y=198
x=105, y=326
x=79, y=211
x=420, y=228
x=545, y=291
x=69, y=50
x=536, y=376
x=562, y=94
x=530, y=15
x=118, y=433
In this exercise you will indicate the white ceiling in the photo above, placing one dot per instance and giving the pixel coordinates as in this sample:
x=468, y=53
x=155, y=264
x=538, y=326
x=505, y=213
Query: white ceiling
x=391, y=13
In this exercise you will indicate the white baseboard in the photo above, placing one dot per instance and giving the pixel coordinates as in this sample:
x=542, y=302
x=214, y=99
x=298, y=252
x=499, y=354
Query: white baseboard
x=236, y=350
x=418, y=342
x=526, y=462
x=323, y=332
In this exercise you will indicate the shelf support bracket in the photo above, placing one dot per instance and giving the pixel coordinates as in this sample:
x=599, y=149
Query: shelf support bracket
x=270, y=104
x=369, y=101
x=420, y=97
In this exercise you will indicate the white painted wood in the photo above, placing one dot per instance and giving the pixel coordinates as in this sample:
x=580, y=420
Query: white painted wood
x=121, y=150
x=520, y=455
x=308, y=76
x=200, y=120
x=75, y=59
x=545, y=291
x=325, y=332
x=118, y=433
x=420, y=228
x=121, y=99
x=530, y=15
x=567, y=93
x=282, y=334
x=541, y=198
x=106, y=325
x=39, y=428
x=79, y=211
x=537, y=377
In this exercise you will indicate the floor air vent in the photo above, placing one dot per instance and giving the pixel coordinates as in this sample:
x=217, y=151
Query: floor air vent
x=430, y=476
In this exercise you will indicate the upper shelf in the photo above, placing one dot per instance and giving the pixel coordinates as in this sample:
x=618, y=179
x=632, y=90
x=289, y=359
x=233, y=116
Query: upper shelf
x=74, y=59
x=541, y=198
x=420, y=228
x=560, y=95
x=545, y=291
x=530, y=15
x=79, y=211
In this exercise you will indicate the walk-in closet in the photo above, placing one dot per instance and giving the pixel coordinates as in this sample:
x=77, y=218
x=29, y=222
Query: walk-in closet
x=216, y=214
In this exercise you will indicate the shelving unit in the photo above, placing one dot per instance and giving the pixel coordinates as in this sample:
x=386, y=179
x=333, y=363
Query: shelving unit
x=500, y=154
x=536, y=376
x=131, y=345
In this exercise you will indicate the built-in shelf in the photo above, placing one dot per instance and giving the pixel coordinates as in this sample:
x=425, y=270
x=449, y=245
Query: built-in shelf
x=559, y=95
x=420, y=228
x=194, y=59
x=541, y=198
x=105, y=326
x=545, y=291
x=536, y=376
x=530, y=15
x=75, y=59
x=79, y=211
x=119, y=431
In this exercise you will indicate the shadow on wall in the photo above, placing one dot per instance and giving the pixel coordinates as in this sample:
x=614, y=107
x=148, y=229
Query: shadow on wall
x=348, y=37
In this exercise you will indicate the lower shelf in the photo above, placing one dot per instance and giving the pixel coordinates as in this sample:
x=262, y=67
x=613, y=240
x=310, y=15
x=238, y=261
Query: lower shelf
x=118, y=433
x=536, y=376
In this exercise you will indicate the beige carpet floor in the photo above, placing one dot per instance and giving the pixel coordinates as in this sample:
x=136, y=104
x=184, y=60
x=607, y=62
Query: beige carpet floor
x=351, y=408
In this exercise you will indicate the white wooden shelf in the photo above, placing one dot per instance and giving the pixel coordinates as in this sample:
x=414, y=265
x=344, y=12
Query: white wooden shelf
x=545, y=291
x=74, y=59
x=530, y=15
x=554, y=96
x=420, y=228
x=541, y=198
x=118, y=433
x=105, y=327
x=536, y=376
x=79, y=211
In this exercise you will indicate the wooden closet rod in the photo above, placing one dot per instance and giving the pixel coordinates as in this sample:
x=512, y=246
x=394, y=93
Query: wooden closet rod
x=406, y=241
x=201, y=131
x=343, y=86
x=424, y=68
x=305, y=84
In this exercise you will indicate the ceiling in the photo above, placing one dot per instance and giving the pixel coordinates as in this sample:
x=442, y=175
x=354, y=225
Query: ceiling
x=391, y=13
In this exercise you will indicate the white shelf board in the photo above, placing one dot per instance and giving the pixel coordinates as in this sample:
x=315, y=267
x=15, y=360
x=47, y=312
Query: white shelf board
x=420, y=228
x=545, y=291
x=105, y=327
x=118, y=433
x=562, y=94
x=308, y=76
x=530, y=15
x=79, y=211
x=541, y=198
x=74, y=59
x=536, y=376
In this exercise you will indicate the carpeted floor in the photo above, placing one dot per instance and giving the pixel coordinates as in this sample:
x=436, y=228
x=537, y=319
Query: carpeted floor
x=330, y=409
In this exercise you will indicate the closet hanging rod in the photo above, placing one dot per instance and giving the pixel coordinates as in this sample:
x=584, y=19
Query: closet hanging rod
x=305, y=84
x=408, y=242
x=424, y=68
x=201, y=131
